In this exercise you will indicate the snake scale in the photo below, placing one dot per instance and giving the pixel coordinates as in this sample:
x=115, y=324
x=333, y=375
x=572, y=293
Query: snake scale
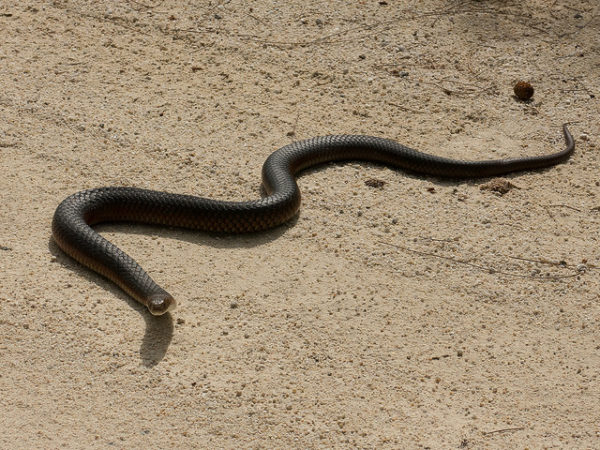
x=73, y=220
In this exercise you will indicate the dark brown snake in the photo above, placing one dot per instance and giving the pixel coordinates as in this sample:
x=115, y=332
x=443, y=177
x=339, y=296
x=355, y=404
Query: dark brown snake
x=72, y=225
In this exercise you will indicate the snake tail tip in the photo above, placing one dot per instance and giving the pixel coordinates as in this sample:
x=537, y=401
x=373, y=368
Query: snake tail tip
x=159, y=304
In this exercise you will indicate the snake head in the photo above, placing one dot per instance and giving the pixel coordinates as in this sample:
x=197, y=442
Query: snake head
x=158, y=304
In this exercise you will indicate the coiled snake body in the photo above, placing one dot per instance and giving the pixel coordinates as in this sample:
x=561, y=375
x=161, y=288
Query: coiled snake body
x=72, y=225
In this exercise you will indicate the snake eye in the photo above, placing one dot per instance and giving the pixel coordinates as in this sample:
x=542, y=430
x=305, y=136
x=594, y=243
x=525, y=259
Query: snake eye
x=159, y=304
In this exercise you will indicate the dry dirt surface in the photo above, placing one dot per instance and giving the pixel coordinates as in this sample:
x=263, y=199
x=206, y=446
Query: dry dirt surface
x=396, y=310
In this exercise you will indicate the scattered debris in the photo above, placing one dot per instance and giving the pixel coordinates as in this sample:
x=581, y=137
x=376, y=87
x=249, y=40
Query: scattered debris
x=499, y=185
x=503, y=430
x=375, y=183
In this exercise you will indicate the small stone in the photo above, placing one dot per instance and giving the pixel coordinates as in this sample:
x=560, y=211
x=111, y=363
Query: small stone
x=399, y=73
x=523, y=90
x=180, y=321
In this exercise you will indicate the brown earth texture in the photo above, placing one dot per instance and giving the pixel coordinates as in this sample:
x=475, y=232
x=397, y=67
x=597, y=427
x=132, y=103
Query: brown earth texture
x=395, y=311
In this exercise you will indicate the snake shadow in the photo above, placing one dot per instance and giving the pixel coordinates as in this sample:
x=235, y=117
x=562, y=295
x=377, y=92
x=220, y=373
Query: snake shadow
x=160, y=329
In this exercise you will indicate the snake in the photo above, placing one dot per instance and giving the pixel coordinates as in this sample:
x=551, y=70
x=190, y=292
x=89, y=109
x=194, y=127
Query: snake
x=75, y=216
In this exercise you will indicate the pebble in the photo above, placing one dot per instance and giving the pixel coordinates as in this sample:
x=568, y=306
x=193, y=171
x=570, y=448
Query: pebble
x=400, y=73
x=523, y=90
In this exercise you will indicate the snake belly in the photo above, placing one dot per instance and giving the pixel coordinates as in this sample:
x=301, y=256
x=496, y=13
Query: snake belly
x=73, y=220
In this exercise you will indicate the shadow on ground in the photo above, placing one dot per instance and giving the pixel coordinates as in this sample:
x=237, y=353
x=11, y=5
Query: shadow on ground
x=160, y=329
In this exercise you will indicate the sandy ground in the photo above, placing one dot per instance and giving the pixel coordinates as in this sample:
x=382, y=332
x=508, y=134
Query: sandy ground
x=420, y=314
